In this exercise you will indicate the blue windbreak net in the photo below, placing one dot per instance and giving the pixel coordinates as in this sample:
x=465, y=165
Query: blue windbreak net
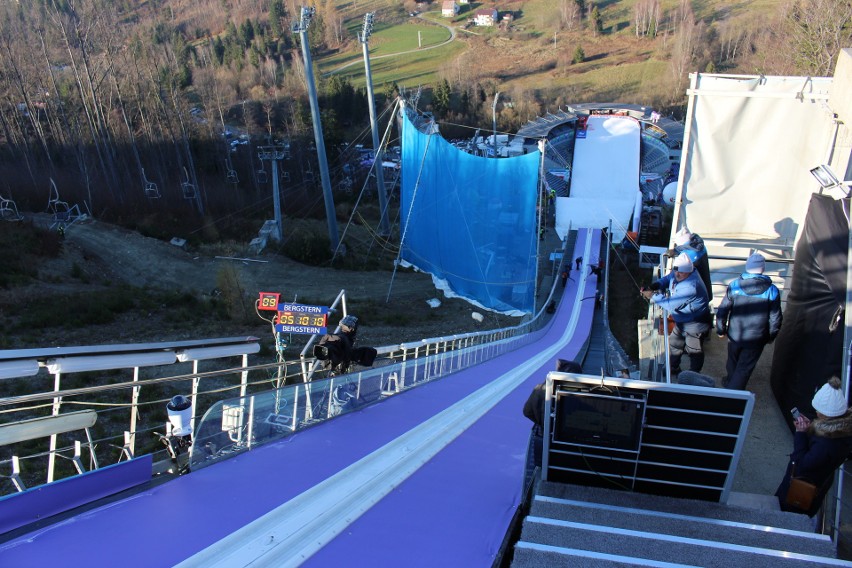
x=470, y=221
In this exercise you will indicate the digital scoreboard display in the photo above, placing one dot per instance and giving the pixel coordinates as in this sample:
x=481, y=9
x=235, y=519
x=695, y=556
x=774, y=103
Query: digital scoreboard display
x=268, y=301
x=301, y=318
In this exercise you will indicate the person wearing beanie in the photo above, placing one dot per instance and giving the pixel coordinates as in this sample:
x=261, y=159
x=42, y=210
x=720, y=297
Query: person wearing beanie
x=693, y=246
x=750, y=316
x=534, y=409
x=682, y=237
x=820, y=446
x=683, y=295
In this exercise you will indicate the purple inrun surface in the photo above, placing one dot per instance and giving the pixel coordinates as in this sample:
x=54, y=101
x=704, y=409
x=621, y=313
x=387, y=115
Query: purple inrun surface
x=454, y=511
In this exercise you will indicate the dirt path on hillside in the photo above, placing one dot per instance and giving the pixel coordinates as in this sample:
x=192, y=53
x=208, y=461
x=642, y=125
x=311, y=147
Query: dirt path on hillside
x=144, y=261
x=393, y=308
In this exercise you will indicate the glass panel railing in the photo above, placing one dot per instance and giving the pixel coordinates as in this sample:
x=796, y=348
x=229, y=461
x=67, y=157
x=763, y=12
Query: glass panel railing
x=237, y=424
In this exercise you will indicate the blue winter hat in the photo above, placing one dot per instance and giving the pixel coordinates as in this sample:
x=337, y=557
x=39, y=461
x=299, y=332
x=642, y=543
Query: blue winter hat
x=756, y=264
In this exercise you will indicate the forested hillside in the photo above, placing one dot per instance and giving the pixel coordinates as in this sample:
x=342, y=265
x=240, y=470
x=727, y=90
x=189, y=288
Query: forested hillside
x=148, y=113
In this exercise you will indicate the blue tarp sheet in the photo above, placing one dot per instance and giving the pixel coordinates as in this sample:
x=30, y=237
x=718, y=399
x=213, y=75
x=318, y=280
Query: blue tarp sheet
x=470, y=221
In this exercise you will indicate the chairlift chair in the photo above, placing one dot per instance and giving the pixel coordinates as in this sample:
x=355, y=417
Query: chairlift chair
x=285, y=175
x=9, y=210
x=231, y=176
x=151, y=189
x=261, y=174
x=62, y=212
x=187, y=187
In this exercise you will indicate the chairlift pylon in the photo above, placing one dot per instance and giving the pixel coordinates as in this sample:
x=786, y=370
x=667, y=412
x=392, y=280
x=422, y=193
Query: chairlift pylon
x=187, y=187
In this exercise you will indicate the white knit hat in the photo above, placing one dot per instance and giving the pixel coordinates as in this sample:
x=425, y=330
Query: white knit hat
x=682, y=263
x=756, y=264
x=682, y=237
x=829, y=400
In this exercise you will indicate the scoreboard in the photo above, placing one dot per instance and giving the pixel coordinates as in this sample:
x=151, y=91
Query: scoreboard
x=295, y=318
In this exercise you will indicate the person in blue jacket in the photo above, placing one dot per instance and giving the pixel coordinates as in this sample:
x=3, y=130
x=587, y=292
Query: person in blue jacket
x=683, y=295
x=820, y=446
x=693, y=246
x=750, y=316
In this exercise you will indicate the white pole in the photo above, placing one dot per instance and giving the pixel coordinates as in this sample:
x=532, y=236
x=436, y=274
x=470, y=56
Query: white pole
x=134, y=411
x=57, y=402
x=195, y=380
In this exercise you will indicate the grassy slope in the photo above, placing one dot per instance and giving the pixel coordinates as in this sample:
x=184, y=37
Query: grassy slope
x=619, y=66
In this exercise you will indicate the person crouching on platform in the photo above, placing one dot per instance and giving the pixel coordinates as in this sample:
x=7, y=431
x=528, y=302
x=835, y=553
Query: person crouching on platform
x=687, y=303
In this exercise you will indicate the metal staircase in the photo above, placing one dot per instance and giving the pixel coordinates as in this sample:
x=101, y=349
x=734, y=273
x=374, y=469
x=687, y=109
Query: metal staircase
x=571, y=525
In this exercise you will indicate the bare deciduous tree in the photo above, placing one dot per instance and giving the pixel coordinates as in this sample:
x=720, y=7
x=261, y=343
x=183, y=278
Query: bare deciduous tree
x=687, y=39
x=569, y=14
x=818, y=29
x=646, y=18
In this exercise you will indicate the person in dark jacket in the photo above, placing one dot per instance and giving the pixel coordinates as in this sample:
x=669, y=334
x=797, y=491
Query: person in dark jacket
x=682, y=294
x=693, y=246
x=750, y=316
x=819, y=446
x=534, y=410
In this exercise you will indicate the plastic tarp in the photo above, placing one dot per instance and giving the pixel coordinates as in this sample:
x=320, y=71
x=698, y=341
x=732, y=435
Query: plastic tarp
x=605, y=178
x=470, y=221
x=751, y=144
x=807, y=352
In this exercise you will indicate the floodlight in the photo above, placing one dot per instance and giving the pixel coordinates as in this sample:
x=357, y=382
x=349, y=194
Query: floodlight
x=21, y=368
x=825, y=176
x=202, y=353
x=107, y=362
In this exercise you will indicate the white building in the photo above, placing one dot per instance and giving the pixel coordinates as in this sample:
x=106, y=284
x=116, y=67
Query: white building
x=486, y=17
x=449, y=9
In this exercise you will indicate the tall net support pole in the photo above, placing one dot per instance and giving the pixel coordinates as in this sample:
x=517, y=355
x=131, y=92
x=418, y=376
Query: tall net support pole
x=301, y=28
x=363, y=37
x=274, y=154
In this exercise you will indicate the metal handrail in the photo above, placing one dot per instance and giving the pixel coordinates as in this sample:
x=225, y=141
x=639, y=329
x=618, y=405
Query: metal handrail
x=443, y=355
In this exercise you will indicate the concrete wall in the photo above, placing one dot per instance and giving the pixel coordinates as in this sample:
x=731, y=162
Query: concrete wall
x=840, y=102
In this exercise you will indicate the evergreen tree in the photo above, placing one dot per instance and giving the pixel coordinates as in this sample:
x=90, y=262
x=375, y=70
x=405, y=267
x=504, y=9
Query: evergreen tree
x=597, y=20
x=441, y=98
x=579, y=55
x=219, y=50
x=246, y=33
x=276, y=13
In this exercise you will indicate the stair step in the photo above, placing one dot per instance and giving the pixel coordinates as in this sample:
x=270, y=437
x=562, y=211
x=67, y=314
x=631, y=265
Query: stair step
x=683, y=525
x=638, y=544
x=707, y=509
x=533, y=555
